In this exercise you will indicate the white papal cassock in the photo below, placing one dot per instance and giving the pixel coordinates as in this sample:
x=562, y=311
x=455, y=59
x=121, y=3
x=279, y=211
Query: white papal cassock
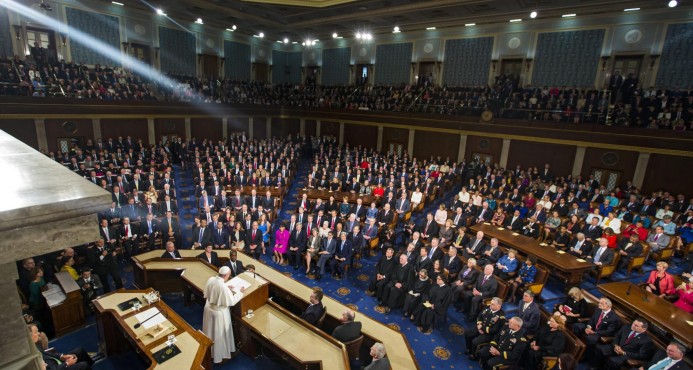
x=216, y=322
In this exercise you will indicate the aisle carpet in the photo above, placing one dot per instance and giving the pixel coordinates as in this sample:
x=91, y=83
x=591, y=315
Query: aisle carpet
x=441, y=349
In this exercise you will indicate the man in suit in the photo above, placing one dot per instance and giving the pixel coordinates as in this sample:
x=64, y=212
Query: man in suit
x=628, y=249
x=386, y=216
x=484, y=287
x=630, y=342
x=297, y=244
x=435, y=252
x=202, y=235
x=604, y=323
x=108, y=233
x=452, y=263
x=359, y=209
x=658, y=240
x=402, y=206
x=234, y=264
x=475, y=246
x=592, y=231
x=579, y=246
x=370, y=231
x=671, y=359
x=342, y=256
x=528, y=311
x=430, y=228
x=507, y=346
x=253, y=241
x=314, y=312
x=488, y=324
x=383, y=273
x=167, y=205
x=357, y=242
x=128, y=236
x=379, y=361
x=602, y=255
x=490, y=254
x=392, y=295
x=531, y=229
x=171, y=251
x=205, y=201
x=149, y=229
x=327, y=250
x=484, y=214
x=268, y=202
x=220, y=237
x=76, y=359
x=458, y=219
x=170, y=228
x=514, y=223
x=349, y=329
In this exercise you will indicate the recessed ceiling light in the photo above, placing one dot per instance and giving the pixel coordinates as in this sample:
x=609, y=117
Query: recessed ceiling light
x=533, y=14
x=568, y=15
x=673, y=3
x=469, y=24
x=430, y=28
x=631, y=9
x=286, y=40
x=516, y=20
x=117, y=3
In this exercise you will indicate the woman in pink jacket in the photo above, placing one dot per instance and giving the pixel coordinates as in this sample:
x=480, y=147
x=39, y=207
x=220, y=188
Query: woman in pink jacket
x=685, y=292
x=281, y=243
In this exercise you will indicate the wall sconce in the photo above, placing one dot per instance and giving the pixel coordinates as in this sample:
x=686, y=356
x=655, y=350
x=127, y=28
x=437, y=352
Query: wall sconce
x=493, y=63
x=605, y=60
x=17, y=31
x=63, y=38
x=653, y=60
x=529, y=64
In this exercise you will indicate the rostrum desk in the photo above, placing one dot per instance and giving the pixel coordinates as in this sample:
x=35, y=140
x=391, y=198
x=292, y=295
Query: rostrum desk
x=193, y=274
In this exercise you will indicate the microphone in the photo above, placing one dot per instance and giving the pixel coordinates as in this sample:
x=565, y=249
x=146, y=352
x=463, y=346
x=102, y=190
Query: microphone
x=628, y=291
x=151, y=317
x=644, y=295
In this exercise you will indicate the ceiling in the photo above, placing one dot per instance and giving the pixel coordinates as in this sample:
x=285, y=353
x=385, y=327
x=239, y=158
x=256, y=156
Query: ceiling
x=320, y=18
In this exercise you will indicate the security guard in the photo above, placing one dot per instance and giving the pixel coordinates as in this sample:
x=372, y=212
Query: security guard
x=506, y=348
x=488, y=323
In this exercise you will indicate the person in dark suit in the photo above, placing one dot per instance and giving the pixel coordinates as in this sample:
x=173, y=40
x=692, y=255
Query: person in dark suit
x=392, y=295
x=386, y=216
x=602, y=255
x=579, y=246
x=515, y=222
x=315, y=310
x=103, y=262
x=253, y=241
x=435, y=303
x=220, y=237
x=430, y=227
x=342, y=256
x=528, y=311
x=210, y=256
x=384, y=270
x=465, y=280
x=202, y=235
x=167, y=205
x=484, y=287
x=149, y=229
x=628, y=249
x=298, y=241
x=490, y=254
x=604, y=323
x=592, y=231
x=475, y=246
x=349, y=330
x=488, y=324
x=170, y=228
x=357, y=242
x=234, y=264
x=671, y=359
x=171, y=251
x=76, y=359
x=452, y=263
x=435, y=253
x=630, y=342
x=379, y=362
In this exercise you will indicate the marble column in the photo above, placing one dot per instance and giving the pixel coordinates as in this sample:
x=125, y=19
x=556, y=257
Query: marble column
x=41, y=136
x=225, y=127
x=410, y=144
x=462, y=148
x=151, y=131
x=504, y=153
x=640, y=169
x=302, y=127
x=188, y=128
x=579, y=160
x=379, y=144
x=341, y=133
x=317, y=128
x=268, y=125
x=96, y=127
x=250, y=127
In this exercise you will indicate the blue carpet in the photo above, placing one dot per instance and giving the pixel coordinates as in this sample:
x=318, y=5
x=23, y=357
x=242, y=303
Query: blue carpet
x=441, y=349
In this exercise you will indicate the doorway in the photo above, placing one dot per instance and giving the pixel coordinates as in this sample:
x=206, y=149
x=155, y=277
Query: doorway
x=512, y=69
x=261, y=72
x=312, y=75
x=394, y=147
x=45, y=39
x=609, y=178
x=362, y=74
x=427, y=73
x=483, y=158
x=141, y=53
x=210, y=65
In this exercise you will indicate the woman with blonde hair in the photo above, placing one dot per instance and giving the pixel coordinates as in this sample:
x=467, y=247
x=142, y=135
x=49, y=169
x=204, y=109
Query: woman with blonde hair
x=548, y=341
x=574, y=306
x=661, y=282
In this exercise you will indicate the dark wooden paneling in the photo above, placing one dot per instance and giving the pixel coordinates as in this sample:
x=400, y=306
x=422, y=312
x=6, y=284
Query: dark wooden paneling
x=22, y=129
x=670, y=173
x=310, y=127
x=55, y=130
x=328, y=128
x=260, y=128
x=626, y=162
x=206, y=128
x=136, y=128
x=366, y=136
x=395, y=136
x=427, y=144
x=169, y=126
x=527, y=153
x=483, y=145
x=283, y=127
x=237, y=124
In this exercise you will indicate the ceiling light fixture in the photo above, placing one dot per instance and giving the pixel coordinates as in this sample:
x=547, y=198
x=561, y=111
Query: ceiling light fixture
x=117, y=3
x=358, y=35
x=396, y=30
x=160, y=12
x=673, y=3
x=286, y=40
x=469, y=24
x=335, y=35
x=533, y=14
x=568, y=15
x=631, y=10
x=430, y=28
x=199, y=21
x=516, y=20
x=261, y=35
x=229, y=29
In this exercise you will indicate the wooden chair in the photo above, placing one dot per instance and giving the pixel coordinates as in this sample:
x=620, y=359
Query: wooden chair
x=664, y=254
x=372, y=244
x=605, y=271
x=321, y=320
x=540, y=279
x=354, y=348
x=637, y=262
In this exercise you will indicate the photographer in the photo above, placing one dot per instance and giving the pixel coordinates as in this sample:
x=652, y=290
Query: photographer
x=103, y=262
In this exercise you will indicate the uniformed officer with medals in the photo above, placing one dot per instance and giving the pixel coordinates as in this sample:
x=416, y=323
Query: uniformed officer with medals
x=506, y=348
x=488, y=324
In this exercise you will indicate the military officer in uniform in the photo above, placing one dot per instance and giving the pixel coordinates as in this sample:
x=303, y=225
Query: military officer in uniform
x=488, y=324
x=507, y=346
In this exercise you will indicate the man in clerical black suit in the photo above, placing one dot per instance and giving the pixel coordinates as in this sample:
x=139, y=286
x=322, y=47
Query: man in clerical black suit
x=234, y=264
x=171, y=251
x=349, y=330
x=314, y=312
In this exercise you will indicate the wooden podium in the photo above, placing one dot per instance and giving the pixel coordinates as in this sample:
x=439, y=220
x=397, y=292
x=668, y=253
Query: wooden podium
x=68, y=315
x=117, y=332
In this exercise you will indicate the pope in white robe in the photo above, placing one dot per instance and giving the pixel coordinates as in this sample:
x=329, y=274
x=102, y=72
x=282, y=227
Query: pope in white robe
x=216, y=322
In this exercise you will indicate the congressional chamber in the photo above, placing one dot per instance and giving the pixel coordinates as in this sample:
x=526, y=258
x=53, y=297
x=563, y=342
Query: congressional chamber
x=346, y=185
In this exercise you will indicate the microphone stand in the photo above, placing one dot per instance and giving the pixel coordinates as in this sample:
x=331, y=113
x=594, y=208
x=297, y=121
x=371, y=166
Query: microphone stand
x=149, y=318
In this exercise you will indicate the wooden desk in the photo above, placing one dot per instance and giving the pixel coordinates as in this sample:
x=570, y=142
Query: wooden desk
x=564, y=265
x=69, y=314
x=398, y=350
x=112, y=321
x=275, y=327
x=338, y=196
x=670, y=319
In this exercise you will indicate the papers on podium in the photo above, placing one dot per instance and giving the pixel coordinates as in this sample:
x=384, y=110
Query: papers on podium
x=237, y=283
x=150, y=313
